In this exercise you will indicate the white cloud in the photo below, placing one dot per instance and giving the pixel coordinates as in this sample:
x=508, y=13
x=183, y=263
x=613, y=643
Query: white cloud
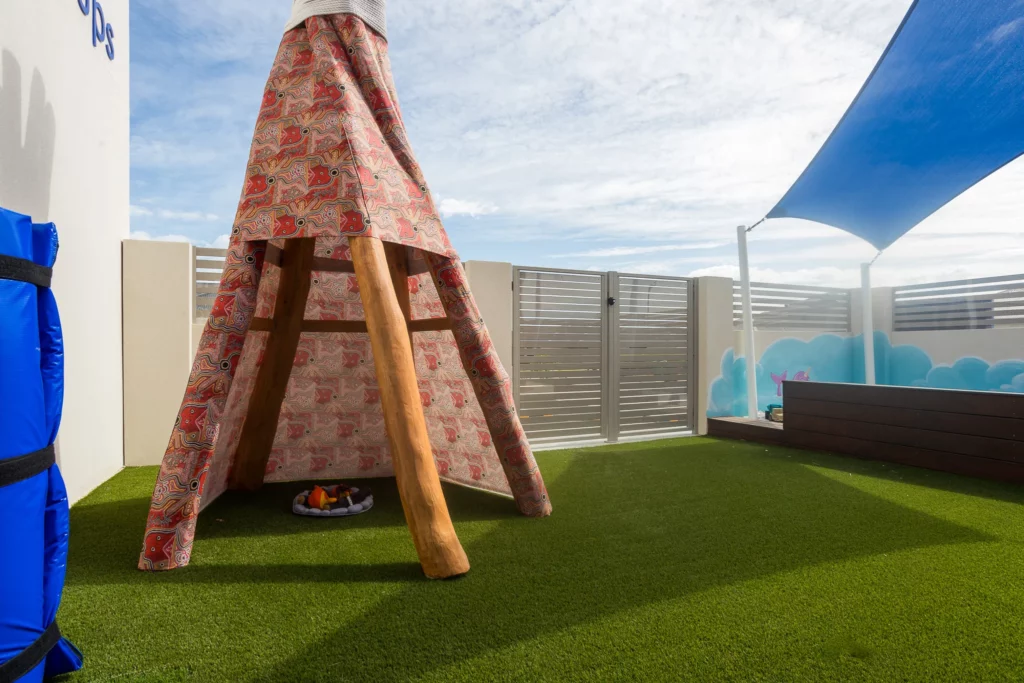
x=612, y=252
x=142, y=235
x=574, y=124
x=675, y=118
x=219, y=243
x=461, y=207
x=190, y=216
x=828, y=276
x=158, y=215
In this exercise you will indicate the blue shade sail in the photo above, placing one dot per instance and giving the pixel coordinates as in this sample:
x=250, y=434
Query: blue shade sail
x=943, y=108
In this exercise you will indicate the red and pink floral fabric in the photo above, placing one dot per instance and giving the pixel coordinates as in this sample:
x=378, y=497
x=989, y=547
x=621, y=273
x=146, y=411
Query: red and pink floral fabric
x=330, y=158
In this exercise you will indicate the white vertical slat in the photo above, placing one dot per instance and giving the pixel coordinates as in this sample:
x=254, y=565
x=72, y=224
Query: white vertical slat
x=868, y=322
x=748, y=323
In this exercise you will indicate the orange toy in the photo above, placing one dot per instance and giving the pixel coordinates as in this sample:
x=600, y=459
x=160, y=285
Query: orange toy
x=318, y=498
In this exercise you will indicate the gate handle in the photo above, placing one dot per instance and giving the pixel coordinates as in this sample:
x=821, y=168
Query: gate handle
x=611, y=301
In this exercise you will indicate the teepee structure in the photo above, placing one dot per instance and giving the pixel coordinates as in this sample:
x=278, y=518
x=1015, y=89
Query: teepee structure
x=344, y=340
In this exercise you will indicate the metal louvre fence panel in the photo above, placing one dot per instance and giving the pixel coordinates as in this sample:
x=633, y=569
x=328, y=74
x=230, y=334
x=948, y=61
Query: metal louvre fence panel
x=980, y=304
x=653, y=355
x=560, y=362
x=586, y=369
x=209, y=263
x=794, y=307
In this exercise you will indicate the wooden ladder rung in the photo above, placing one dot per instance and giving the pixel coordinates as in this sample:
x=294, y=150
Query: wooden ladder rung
x=351, y=326
x=275, y=257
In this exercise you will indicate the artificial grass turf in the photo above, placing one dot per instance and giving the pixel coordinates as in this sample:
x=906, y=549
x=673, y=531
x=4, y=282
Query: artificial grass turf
x=684, y=559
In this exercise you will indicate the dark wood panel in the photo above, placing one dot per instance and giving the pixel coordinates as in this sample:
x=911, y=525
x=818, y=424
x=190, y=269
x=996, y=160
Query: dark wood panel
x=332, y=265
x=334, y=326
x=945, y=442
x=430, y=325
x=956, y=423
x=987, y=468
x=745, y=430
x=992, y=404
x=275, y=256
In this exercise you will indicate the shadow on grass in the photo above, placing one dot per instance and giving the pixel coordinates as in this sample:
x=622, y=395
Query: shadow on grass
x=633, y=525
x=240, y=513
x=630, y=528
x=905, y=474
x=259, y=516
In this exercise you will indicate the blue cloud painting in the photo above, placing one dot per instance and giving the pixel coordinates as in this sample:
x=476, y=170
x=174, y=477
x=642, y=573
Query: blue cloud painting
x=831, y=358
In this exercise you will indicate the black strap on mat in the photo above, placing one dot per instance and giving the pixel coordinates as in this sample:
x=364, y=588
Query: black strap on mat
x=31, y=656
x=25, y=467
x=23, y=270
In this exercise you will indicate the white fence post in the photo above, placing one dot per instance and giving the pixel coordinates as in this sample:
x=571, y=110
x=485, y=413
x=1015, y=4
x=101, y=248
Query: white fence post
x=715, y=335
x=748, y=323
x=491, y=284
x=868, y=323
x=158, y=309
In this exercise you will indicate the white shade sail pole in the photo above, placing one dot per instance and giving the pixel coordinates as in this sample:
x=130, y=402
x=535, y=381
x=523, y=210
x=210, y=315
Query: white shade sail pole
x=868, y=323
x=748, y=323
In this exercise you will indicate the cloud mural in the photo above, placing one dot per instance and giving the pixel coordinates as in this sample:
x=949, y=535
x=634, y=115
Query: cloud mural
x=831, y=358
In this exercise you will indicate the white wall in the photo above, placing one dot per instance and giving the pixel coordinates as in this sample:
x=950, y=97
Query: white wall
x=948, y=346
x=64, y=153
x=158, y=348
x=765, y=338
x=491, y=284
x=714, y=337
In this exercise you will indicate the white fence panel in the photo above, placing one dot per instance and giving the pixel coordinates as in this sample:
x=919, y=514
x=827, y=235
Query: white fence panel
x=794, y=307
x=559, y=341
x=653, y=323
x=602, y=355
x=209, y=264
x=985, y=303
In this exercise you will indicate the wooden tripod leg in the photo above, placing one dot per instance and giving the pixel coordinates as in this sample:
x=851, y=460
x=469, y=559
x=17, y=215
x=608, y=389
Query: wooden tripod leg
x=398, y=267
x=260, y=427
x=426, y=512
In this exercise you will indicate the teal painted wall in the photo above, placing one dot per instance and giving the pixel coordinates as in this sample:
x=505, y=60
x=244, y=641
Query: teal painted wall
x=831, y=358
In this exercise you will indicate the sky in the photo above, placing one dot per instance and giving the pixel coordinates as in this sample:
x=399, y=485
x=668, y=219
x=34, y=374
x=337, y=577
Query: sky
x=590, y=134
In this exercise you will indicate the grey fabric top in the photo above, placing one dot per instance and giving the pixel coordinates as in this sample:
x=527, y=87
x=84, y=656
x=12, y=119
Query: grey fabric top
x=370, y=11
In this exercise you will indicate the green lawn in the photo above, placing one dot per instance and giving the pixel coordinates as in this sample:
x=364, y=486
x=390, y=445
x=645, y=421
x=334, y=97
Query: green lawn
x=685, y=559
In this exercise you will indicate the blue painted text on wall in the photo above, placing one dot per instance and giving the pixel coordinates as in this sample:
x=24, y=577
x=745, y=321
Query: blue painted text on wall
x=102, y=32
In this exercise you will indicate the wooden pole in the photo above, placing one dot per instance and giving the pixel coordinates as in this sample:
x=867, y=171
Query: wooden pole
x=426, y=512
x=398, y=267
x=260, y=427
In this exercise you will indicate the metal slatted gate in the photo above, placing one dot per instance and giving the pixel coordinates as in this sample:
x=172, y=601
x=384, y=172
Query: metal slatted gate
x=586, y=369
x=651, y=323
x=559, y=338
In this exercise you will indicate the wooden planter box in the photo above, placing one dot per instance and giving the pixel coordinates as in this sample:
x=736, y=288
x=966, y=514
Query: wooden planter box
x=979, y=434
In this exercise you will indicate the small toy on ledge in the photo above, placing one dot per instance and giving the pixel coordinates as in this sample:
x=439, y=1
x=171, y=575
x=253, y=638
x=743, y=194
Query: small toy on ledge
x=774, y=413
x=340, y=500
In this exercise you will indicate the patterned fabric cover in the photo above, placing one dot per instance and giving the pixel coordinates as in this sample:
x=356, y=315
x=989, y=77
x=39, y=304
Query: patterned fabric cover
x=330, y=158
